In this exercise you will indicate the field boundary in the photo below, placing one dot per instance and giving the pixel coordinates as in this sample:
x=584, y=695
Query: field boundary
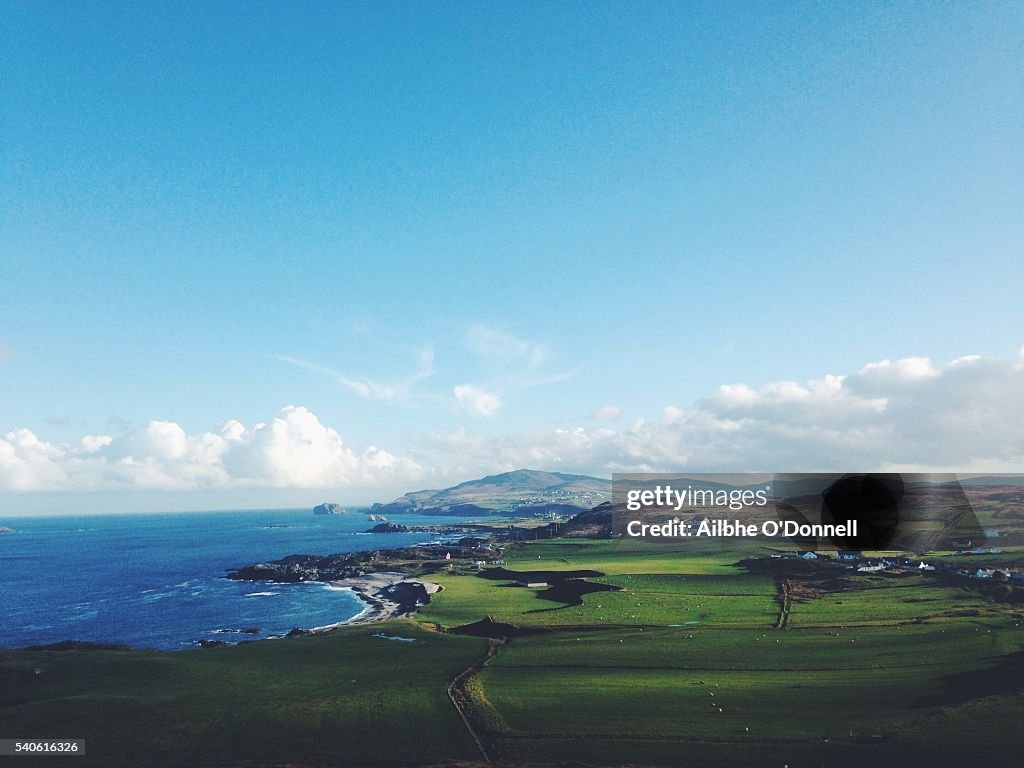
x=785, y=598
x=460, y=696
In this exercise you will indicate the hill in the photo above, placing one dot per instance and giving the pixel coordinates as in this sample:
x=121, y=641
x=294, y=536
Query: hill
x=593, y=523
x=522, y=491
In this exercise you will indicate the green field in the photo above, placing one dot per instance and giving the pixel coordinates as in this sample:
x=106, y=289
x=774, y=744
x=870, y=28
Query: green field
x=682, y=665
x=336, y=697
x=684, y=661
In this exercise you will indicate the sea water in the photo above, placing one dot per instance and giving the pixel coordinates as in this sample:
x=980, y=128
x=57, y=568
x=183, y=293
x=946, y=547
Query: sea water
x=158, y=581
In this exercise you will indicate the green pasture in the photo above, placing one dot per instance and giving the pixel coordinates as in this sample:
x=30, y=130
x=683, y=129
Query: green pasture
x=347, y=698
x=875, y=647
x=898, y=603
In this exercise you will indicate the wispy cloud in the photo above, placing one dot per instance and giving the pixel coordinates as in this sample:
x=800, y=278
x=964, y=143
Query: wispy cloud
x=502, y=350
x=606, y=413
x=511, y=364
x=394, y=391
x=477, y=400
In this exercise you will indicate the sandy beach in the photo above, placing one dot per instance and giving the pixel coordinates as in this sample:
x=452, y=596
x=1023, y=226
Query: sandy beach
x=388, y=595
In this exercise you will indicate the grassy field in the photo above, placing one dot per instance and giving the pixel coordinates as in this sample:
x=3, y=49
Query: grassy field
x=344, y=698
x=681, y=665
x=684, y=663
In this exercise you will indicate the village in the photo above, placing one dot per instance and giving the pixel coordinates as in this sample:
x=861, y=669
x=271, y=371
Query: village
x=897, y=565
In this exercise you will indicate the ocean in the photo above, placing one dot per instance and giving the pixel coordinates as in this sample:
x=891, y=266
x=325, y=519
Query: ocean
x=157, y=581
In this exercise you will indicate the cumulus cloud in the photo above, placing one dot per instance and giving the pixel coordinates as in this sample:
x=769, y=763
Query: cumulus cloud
x=292, y=450
x=670, y=414
x=606, y=413
x=902, y=415
x=476, y=400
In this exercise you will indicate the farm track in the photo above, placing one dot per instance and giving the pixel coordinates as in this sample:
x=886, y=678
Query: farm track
x=460, y=697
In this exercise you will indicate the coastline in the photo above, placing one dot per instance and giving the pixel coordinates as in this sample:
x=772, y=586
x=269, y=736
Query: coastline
x=385, y=594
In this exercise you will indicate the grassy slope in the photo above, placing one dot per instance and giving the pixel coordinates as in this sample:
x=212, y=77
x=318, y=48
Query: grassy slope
x=347, y=697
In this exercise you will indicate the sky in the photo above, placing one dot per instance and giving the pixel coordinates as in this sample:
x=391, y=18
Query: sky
x=262, y=254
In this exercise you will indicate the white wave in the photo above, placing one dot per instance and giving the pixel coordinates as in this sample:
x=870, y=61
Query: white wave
x=262, y=594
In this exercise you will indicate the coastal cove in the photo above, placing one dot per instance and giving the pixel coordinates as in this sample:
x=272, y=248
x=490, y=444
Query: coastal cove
x=159, y=581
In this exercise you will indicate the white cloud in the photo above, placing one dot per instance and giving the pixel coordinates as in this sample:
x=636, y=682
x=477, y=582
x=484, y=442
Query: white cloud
x=964, y=416
x=476, y=400
x=671, y=414
x=895, y=415
x=606, y=413
x=292, y=450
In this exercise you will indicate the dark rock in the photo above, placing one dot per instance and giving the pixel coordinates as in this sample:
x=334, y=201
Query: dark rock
x=296, y=568
x=389, y=528
x=213, y=644
x=243, y=631
x=79, y=645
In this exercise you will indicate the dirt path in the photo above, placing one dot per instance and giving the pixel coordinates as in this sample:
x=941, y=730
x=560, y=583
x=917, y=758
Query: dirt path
x=460, y=697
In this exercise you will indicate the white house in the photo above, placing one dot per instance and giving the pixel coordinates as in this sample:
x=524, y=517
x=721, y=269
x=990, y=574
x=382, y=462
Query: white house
x=871, y=568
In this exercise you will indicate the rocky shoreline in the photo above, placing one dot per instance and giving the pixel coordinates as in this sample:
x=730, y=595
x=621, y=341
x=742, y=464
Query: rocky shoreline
x=382, y=579
x=388, y=595
x=348, y=565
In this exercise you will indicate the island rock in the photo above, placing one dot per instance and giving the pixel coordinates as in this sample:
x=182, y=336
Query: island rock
x=328, y=508
x=389, y=528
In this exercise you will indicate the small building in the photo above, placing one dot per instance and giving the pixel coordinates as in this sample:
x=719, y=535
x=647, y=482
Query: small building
x=923, y=566
x=808, y=555
x=531, y=584
x=849, y=555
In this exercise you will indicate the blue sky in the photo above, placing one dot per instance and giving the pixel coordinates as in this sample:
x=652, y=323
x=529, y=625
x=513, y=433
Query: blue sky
x=437, y=226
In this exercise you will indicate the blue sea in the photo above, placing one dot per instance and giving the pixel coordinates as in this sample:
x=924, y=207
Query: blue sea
x=157, y=581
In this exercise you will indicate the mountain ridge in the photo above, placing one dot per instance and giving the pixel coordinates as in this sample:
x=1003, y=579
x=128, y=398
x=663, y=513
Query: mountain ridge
x=505, y=493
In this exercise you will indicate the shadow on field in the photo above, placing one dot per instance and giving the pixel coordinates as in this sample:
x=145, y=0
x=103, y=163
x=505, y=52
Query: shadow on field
x=566, y=587
x=1006, y=675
